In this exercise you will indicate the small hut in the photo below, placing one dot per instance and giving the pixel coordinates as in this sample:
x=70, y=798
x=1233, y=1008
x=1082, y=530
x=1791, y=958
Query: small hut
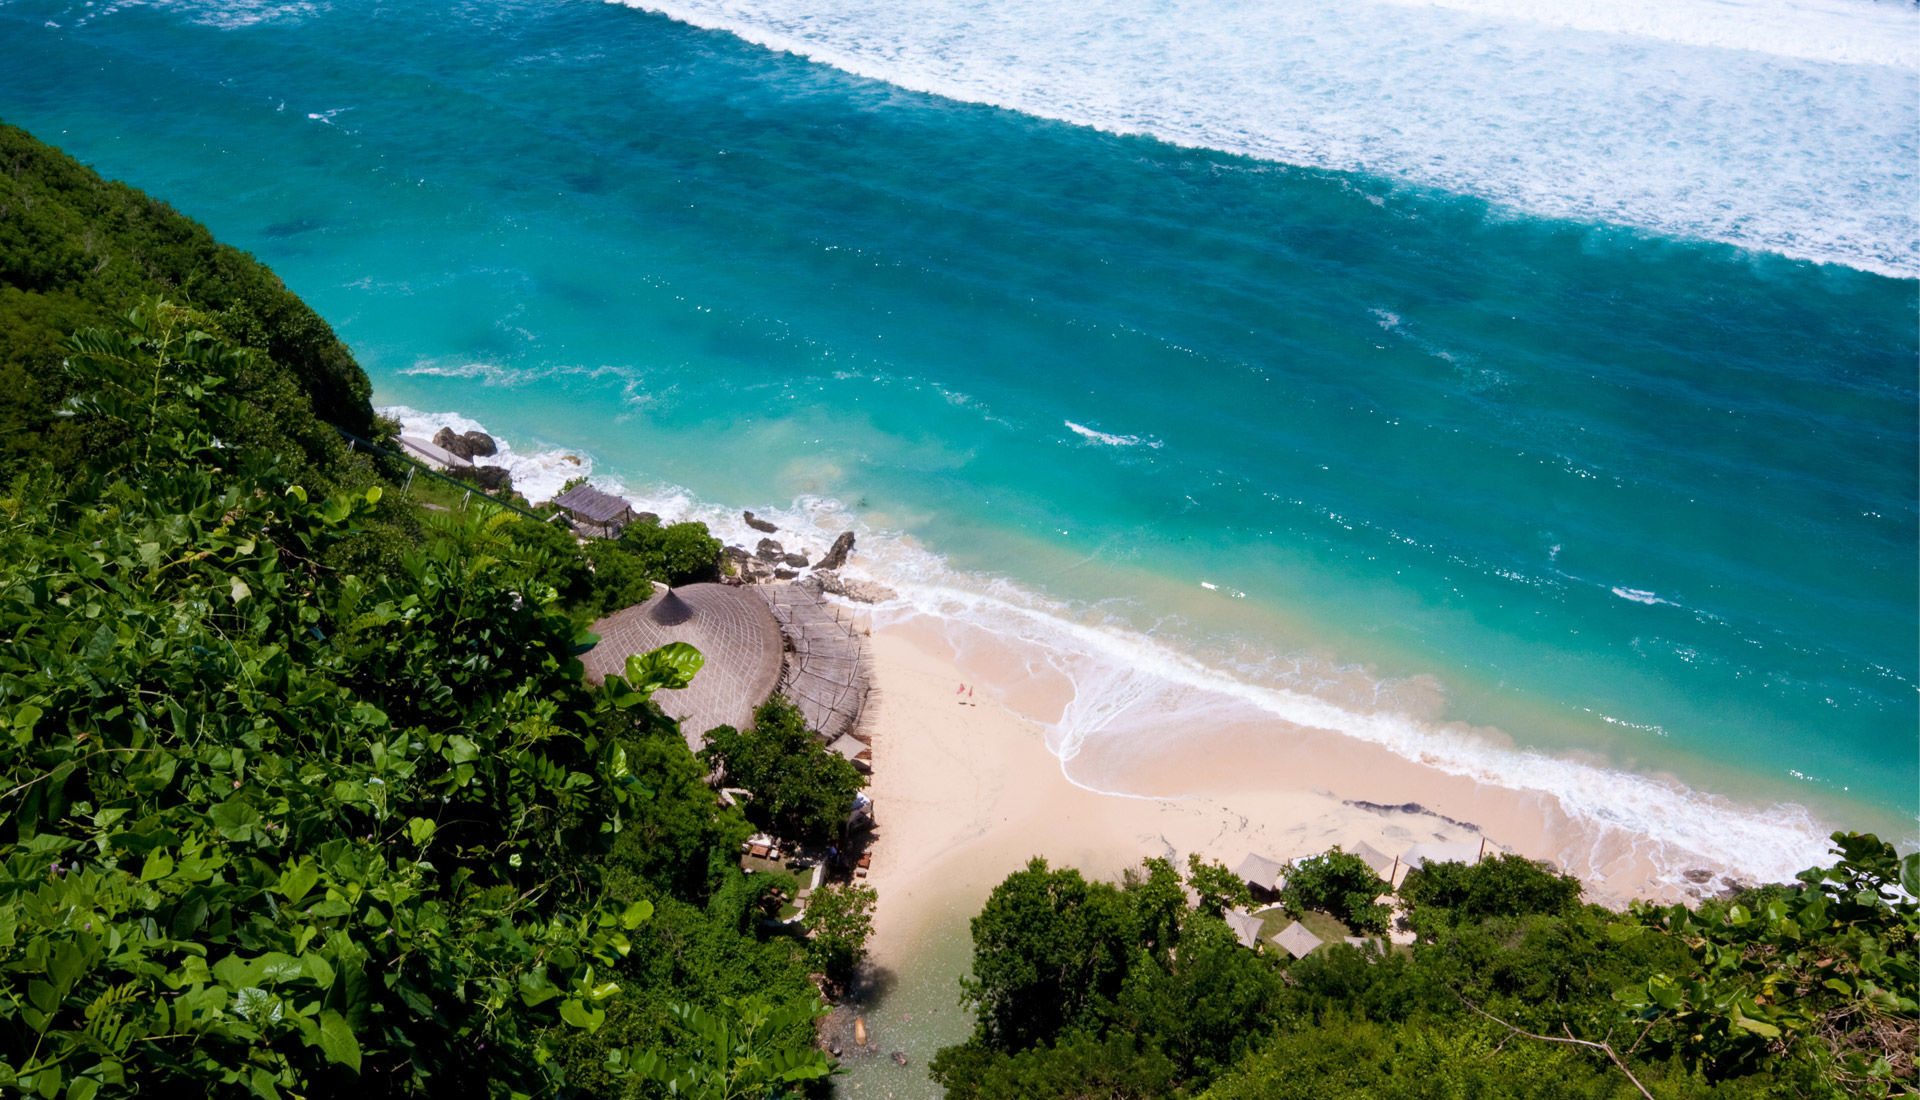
x=1246, y=927
x=1384, y=865
x=596, y=513
x=855, y=750
x=731, y=627
x=1295, y=940
x=1262, y=875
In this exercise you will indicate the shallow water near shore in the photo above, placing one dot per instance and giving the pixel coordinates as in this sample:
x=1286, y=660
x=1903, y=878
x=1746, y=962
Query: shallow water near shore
x=1536, y=495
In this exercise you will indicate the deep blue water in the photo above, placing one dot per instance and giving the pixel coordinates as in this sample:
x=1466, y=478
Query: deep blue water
x=1641, y=495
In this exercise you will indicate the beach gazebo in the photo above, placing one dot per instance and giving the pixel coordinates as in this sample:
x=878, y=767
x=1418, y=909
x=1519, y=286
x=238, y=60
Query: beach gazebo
x=1295, y=940
x=1246, y=927
x=730, y=626
x=855, y=750
x=1384, y=865
x=594, y=512
x=1262, y=874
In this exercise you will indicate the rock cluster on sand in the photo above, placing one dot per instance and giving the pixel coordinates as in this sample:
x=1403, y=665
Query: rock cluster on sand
x=770, y=560
x=466, y=444
x=491, y=478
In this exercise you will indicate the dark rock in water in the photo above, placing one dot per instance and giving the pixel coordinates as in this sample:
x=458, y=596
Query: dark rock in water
x=465, y=444
x=837, y=554
x=770, y=551
x=1697, y=875
x=493, y=478
x=650, y=519
x=798, y=561
x=759, y=524
x=784, y=574
x=737, y=554
x=899, y=1057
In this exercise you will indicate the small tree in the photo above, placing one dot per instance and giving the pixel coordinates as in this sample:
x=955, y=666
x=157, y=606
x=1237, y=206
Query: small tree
x=1338, y=883
x=839, y=920
x=1219, y=889
x=801, y=790
x=1506, y=885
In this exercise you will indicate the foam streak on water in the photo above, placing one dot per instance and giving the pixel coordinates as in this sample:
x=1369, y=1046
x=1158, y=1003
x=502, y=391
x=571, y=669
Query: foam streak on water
x=1130, y=685
x=1780, y=125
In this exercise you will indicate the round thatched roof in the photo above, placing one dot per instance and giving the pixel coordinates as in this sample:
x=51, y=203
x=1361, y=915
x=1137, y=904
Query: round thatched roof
x=732, y=627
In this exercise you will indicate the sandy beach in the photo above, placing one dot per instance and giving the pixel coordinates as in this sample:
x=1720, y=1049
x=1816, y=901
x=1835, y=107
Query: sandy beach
x=968, y=791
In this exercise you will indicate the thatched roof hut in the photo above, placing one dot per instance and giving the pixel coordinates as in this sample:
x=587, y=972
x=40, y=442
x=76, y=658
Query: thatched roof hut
x=594, y=512
x=731, y=627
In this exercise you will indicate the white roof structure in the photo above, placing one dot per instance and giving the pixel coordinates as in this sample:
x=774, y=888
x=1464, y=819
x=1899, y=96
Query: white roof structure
x=1260, y=871
x=432, y=453
x=1381, y=862
x=1246, y=927
x=1295, y=940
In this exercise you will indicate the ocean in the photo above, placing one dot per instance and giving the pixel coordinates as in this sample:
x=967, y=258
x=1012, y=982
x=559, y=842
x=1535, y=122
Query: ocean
x=1527, y=387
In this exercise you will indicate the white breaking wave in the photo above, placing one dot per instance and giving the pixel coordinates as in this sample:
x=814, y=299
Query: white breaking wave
x=1790, y=126
x=1107, y=438
x=1128, y=684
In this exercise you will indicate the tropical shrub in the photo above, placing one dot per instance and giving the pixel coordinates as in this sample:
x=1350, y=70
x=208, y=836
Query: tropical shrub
x=801, y=790
x=1338, y=883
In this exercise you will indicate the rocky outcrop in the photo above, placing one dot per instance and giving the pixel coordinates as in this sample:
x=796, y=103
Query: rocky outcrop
x=857, y=591
x=837, y=554
x=770, y=551
x=797, y=560
x=465, y=444
x=494, y=479
x=759, y=524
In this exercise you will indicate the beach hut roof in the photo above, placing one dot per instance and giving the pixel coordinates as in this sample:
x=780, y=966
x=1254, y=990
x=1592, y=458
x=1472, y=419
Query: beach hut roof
x=1380, y=861
x=1246, y=927
x=731, y=627
x=1261, y=871
x=1295, y=940
x=848, y=746
x=590, y=503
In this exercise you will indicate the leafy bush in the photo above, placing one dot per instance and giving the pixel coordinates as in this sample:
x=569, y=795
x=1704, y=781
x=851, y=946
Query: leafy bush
x=1338, y=883
x=839, y=920
x=77, y=251
x=277, y=827
x=1506, y=885
x=625, y=569
x=801, y=790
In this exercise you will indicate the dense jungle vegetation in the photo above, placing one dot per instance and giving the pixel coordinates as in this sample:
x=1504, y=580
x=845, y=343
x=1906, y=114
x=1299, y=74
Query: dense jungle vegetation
x=304, y=792
x=304, y=795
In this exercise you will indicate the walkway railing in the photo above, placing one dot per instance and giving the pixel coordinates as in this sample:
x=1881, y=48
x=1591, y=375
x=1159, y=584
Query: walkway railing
x=416, y=466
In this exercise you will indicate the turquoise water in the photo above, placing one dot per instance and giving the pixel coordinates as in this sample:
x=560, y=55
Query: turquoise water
x=1613, y=487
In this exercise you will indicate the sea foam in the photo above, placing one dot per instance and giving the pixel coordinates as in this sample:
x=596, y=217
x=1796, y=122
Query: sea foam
x=1790, y=126
x=1130, y=684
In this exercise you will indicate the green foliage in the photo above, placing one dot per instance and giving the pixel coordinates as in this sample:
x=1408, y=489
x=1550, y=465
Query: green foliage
x=77, y=251
x=1049, y=947
x=736, y=1051
x=1827, y=973
x=1079, y=1066
x=1338, y=883
x=1219, y=888
x=839, y=920
x=801, y=790
x=275, y=826
x=625, y=569
x=1506, y=885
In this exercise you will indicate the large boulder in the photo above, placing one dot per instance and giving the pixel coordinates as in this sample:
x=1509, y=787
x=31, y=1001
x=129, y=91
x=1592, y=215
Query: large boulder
x=465, y=444
x=758, y=524
x=770, y=551
x=857, y=591
x=837, y=554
